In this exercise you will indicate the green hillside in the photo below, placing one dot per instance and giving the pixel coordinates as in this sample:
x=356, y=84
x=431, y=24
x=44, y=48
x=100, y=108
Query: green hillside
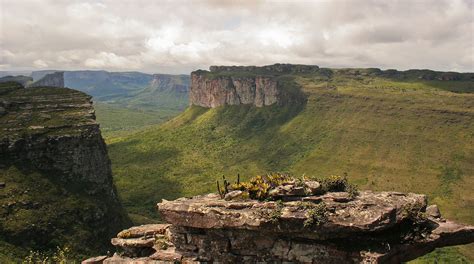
x=115, y=119
x=164, y=92
x=388, y=131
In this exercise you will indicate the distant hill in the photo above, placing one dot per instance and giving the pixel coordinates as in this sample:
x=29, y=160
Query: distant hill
x=21, y=79
x=129, y=100
x=408, y=131
x=131, y=89
x=165, y=91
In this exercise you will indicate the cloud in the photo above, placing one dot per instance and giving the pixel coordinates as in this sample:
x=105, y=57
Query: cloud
x=180, y=36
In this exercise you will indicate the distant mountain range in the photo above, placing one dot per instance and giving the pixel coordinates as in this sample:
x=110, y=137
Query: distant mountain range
x=129, y=89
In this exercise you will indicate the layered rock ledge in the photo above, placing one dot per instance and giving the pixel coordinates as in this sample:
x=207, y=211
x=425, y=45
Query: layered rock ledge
x=334, y=227
x=239, y=85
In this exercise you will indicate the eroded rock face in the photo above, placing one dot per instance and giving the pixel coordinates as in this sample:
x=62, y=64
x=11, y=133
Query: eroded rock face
x=214, y=92
x=50, y=80
x=373, y=227
x=49, y=135
x=239, y=85
x=55, y=130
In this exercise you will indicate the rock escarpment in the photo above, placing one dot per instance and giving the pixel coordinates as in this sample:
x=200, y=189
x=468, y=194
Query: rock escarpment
x=240, y=85
x=56, y=170
x=174, y=83
x=299, y=223
x=55, y=79
x=55, y=130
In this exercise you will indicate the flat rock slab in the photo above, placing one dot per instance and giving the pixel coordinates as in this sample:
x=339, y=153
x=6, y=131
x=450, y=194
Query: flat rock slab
x=133, y=242
x=368, y=212
x=144, y=231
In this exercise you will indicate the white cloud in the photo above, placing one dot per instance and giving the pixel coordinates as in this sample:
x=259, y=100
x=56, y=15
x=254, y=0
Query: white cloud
x=40, y=64
x=179, y=36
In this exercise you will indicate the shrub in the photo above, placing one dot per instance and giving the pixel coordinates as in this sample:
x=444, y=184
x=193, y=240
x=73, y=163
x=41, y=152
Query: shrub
x=60, y=256
x=276, y=212
x=317, y=215
x=339, y=184
x=258, y=187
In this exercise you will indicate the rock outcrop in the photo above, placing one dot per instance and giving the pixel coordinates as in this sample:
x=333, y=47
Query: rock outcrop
x=240, y=85
x=50, y=80
x=173, y=83
x=49, y=135
x=316, y=227
x=55, y=130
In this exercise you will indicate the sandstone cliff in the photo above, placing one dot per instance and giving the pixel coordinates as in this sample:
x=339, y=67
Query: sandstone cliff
x=56, y=171
x=50, y=80
x=239, y=85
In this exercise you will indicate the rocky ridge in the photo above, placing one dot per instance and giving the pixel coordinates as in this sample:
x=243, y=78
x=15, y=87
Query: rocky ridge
x=55, y=79
x=171, y=82
x=315, y=226
x=21, y=79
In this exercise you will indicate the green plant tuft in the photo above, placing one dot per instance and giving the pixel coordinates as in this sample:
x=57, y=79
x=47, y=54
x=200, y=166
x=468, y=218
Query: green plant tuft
x=316, y=215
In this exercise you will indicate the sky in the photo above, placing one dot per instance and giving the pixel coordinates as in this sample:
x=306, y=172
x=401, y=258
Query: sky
x=181, y=36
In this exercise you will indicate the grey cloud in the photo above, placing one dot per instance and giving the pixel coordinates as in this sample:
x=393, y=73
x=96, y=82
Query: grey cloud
x=179, y=36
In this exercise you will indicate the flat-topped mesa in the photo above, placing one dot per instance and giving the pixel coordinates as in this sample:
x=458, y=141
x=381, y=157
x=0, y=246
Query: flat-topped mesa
x=55, y=79
x=274, y=219
x=55, y=170
x=54, y=129
x=245, y=85
x=277, y=68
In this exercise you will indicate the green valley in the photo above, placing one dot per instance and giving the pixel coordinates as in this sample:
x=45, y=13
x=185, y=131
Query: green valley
x=400, y=131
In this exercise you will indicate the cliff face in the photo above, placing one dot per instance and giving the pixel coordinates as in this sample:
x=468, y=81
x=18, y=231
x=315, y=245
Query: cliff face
x=50, y=80
x=49, y=136
x=226, y=90
x=247, y=85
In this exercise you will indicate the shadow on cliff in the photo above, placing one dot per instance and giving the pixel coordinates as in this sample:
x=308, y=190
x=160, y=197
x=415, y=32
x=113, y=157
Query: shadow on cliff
x=42, y=212
x=140, y=182
x=262, y=129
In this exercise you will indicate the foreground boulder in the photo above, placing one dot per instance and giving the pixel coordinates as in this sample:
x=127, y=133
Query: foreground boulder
x=334, y=227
